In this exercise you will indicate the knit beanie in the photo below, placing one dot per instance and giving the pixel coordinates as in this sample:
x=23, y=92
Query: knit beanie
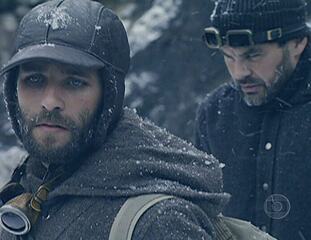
x=287, y=17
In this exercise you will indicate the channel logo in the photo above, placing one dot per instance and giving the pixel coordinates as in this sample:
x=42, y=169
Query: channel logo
x=277, y=206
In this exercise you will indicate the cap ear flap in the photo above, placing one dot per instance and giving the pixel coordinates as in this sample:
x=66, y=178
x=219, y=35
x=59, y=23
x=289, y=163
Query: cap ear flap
x=113, y=96
x=11, y=99
x=110, y=108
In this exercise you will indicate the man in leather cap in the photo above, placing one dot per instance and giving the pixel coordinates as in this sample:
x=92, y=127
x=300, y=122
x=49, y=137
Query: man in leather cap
x=64, y=89
x=259, y=123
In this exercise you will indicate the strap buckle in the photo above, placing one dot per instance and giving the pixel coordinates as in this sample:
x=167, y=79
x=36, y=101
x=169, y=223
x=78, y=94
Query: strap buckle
x=274, y=34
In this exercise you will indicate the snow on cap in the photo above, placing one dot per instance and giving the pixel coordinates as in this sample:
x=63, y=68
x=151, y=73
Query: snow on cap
x=76, y=32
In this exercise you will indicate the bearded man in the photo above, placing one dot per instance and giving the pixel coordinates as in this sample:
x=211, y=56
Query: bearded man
x=64, y=89
x=259, y=123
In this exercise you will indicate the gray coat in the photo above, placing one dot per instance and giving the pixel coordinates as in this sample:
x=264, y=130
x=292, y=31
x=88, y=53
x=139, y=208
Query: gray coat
x=137, y=158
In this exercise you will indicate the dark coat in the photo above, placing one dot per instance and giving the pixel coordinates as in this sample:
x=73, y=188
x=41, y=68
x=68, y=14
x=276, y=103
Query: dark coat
x=266, y=151
x=138, y=158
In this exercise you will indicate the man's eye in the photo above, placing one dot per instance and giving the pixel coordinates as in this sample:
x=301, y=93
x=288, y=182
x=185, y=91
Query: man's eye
x=228, y=58
x=253, y=56
x=76, y=83
x=34, y=80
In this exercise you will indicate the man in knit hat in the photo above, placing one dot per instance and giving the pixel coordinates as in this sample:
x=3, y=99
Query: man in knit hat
x=64, y=90
x=259, y=123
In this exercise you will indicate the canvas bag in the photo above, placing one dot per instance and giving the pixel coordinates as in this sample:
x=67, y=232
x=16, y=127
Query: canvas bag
x=226, y=228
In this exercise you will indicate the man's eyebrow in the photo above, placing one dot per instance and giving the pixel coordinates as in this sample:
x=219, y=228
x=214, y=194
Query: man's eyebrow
x=33, y=67
x=74, y=71
x=224, y=53
x=250, y=51
x=41, y=67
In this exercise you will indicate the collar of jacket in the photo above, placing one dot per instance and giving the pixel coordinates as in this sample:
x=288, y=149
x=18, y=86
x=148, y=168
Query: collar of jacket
x=298, y=89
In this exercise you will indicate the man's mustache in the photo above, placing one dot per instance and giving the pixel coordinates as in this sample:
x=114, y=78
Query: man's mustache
x=52, y=117
x=248, y=80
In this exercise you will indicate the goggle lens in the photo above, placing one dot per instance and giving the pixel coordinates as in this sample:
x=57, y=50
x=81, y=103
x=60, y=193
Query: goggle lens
x=239, y=40
x=211, y=39
x=13, y=222
x=234, y=38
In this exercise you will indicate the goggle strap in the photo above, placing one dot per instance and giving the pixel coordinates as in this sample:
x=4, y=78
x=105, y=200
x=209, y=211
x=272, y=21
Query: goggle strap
x=262, y=37
x=41, y=195
x=276, y=33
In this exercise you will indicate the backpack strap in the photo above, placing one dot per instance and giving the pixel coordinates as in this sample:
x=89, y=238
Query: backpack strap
x=134, y=207
x=221, y=229
x=130, y=212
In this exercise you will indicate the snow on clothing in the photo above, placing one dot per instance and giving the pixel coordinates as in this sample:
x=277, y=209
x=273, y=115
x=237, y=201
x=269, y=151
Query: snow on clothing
x=266, y=150
x=137, y=158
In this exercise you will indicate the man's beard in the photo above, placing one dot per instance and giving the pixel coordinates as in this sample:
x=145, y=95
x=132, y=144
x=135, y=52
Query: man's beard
x=79, y=142
x=283, y=73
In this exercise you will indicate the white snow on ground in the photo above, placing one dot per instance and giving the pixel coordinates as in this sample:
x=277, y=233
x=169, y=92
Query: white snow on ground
x=126, y=14
x=150, y=26
x=9, y=159
x=141, y=81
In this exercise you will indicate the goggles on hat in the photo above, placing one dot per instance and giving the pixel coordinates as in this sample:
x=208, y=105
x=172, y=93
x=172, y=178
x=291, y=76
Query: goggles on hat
x=241, y=37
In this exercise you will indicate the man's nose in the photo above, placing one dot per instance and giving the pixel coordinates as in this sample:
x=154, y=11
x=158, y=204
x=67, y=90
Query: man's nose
x=242, y=70
x=52, y=100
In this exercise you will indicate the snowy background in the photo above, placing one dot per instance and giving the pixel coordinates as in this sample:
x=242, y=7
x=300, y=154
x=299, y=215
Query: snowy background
x=171, y=68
